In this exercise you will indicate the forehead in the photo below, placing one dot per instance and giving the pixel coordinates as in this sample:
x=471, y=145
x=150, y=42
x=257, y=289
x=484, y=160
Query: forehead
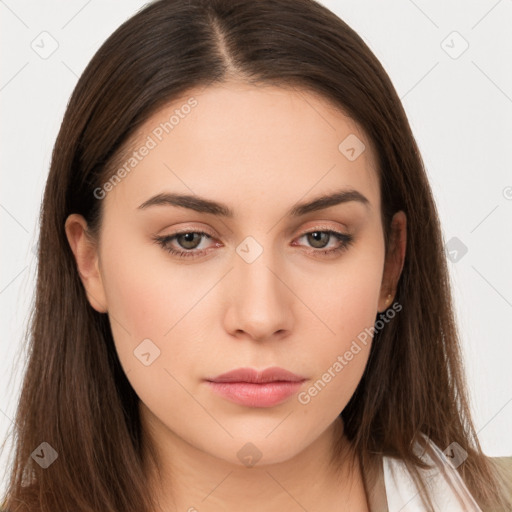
x=239, y=142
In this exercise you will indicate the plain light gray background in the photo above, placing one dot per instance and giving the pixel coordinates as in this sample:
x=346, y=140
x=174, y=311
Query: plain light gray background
x=451, y=65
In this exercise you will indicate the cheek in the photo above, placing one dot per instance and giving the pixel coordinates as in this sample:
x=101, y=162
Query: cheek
x=153, y=312
x=347, y=306
x=147, y=300
x=344, y=297
x=339, y=359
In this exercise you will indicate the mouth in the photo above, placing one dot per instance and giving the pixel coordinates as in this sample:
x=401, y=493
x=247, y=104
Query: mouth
x=248, y=387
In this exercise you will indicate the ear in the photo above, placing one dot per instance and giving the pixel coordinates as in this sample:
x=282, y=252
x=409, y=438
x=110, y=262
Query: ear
x=395, y=257
x=86, y=256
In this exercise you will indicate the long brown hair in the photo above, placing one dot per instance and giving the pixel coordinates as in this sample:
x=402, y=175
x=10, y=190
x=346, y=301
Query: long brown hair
x=75, y=395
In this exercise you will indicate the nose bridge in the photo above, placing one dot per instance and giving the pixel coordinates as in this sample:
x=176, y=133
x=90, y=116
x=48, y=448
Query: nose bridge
x=259, y=303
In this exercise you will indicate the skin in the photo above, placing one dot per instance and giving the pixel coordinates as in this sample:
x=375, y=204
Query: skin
x=259, y=150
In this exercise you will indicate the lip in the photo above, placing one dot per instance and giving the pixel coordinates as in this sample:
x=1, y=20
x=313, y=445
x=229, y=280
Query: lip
x=249, y=387
x=273, y=374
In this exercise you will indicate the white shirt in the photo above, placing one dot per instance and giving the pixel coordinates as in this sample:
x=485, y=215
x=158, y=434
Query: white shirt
x=403, y=495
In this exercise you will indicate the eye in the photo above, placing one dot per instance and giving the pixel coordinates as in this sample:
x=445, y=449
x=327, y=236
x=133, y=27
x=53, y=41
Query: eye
x=189, y=241
x=319, y=239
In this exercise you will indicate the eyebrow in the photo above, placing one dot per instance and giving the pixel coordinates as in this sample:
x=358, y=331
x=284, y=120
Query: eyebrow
x=202, y=205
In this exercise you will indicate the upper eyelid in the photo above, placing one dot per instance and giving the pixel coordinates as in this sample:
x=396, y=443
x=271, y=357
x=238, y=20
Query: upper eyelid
x=306, y=231
x=316, y=227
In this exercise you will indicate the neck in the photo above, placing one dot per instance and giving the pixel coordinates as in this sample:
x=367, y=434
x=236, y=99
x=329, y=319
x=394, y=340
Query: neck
x=190, y=479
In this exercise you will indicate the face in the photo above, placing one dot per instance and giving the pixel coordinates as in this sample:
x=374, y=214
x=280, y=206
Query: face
x=194, y=290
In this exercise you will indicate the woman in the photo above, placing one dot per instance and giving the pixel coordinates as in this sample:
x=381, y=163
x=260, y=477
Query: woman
x=242, y=296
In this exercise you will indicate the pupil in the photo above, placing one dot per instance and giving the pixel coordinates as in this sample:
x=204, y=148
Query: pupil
x=317, y=237
x=188, y=238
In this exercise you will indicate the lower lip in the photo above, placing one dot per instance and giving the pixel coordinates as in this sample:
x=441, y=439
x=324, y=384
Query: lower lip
x=268, y=394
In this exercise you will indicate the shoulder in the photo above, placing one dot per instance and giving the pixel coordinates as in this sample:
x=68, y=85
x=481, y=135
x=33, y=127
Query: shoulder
x=443, y=482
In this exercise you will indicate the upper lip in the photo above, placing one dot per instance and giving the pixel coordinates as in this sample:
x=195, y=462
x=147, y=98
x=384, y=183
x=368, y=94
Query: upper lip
x=273, y=374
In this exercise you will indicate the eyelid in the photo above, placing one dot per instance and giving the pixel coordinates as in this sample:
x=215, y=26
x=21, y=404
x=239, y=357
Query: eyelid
x=319, y=226
x=189, y=229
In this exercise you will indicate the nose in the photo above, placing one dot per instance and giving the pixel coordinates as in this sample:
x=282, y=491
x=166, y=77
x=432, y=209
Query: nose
x=259, y=302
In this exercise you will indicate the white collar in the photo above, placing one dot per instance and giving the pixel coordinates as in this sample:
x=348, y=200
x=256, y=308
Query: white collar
x=447, y=489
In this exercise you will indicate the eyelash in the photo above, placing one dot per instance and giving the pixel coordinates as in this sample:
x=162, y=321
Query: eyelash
x=346, y=241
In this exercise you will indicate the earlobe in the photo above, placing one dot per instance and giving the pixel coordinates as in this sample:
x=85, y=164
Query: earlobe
x=395, y=259
x=86, y=257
